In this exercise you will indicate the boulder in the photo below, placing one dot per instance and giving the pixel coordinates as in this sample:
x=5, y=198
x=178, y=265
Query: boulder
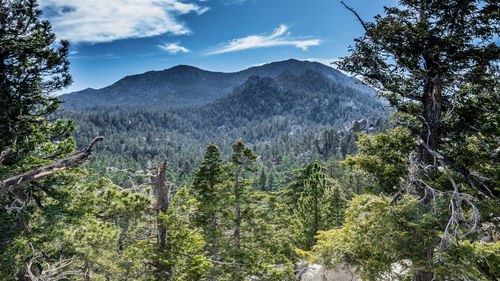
x=316, y=272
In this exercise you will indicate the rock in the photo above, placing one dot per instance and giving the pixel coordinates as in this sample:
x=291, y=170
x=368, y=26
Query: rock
x=296, y=129
x=316, y=272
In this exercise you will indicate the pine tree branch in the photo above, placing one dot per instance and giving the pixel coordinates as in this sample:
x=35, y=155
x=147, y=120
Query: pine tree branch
x=38, y=173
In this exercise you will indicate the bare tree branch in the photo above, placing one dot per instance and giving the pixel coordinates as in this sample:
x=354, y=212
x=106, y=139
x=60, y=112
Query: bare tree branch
x=38, y=173
x=356, y=14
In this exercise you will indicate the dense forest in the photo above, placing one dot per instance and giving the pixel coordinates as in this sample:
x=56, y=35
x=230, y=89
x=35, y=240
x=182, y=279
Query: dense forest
x=288, y=121
x=187, y=174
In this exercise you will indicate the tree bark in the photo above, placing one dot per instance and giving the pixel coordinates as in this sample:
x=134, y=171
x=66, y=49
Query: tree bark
x=38, y=173
x=86, y=270
x=432, y=107
x=423, y=276
x=237, y=210
x=162, y=193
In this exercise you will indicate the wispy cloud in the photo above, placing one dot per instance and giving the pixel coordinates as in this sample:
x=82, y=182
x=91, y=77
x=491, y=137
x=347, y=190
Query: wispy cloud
x=109, y=20
x=233, y=2
x=173, y=48
x=279, y=37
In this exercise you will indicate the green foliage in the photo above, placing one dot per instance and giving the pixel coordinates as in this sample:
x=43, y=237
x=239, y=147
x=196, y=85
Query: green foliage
x=30, y=69
x=381, y=240
x=437, y=63
x=183, y=254
x=208, y=190
x=385, y=156
x=478, y=260
x=104, y=200
x=32, y=66
x=315, y=202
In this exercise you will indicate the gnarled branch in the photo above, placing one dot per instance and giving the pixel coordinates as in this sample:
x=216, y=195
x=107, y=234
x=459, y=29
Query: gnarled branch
x=38, y=173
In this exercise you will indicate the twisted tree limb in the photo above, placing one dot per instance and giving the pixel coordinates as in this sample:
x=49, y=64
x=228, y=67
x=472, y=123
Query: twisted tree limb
x=38, y=173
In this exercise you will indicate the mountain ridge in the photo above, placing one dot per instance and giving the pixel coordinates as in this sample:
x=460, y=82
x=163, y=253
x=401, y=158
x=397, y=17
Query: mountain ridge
x=188, y=85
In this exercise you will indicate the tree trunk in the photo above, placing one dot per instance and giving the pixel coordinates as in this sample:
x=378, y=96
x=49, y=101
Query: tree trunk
x=162, y=193
x=432, y=107
x=237, y=209
x=86, y=271
x=423, y=276
x=237, y=237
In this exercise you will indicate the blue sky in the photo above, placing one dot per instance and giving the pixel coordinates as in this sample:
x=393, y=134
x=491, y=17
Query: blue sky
x=113, y=38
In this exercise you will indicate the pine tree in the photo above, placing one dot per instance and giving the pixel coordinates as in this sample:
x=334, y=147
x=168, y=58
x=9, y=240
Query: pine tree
x=263, y=180
x=308, y=197
x=31, y=68
x=208, y=190
x=243, y=161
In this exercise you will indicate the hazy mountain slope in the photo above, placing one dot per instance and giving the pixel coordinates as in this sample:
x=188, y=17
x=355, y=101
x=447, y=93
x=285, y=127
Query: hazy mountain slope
x=187, y=85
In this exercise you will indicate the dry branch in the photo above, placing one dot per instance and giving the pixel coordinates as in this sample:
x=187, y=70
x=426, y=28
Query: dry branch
x=38, y=173
x=356, y=14
x=4, y=154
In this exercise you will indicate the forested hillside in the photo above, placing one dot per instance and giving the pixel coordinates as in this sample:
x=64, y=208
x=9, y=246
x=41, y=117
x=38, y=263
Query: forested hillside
x=286, y=171
x=282, y=118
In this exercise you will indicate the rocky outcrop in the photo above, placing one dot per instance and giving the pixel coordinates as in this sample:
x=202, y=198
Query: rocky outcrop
x=316, y=272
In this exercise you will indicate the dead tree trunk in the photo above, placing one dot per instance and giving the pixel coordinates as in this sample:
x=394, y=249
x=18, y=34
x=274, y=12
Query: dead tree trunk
x=162, y=193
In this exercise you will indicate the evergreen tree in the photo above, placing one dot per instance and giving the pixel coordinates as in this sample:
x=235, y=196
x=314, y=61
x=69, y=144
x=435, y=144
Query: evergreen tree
x=183, y=255
x=263, y=180
x=30, y=70
x=57, y=224
x=208, y=190
x=309, y=199
x=243, y=160
x=436, y=61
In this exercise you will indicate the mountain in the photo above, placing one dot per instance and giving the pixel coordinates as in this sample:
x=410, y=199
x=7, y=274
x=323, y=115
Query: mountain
x=186, y=85
x=306, y=98
x=290, y=112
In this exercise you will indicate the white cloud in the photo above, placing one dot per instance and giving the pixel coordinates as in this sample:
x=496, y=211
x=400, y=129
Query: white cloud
x=108, y=20
x=173, y=48
x=277, y=38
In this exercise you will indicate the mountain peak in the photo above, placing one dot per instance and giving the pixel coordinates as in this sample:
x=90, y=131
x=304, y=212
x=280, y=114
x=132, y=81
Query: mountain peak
x=187, y=85
x=184, y=67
